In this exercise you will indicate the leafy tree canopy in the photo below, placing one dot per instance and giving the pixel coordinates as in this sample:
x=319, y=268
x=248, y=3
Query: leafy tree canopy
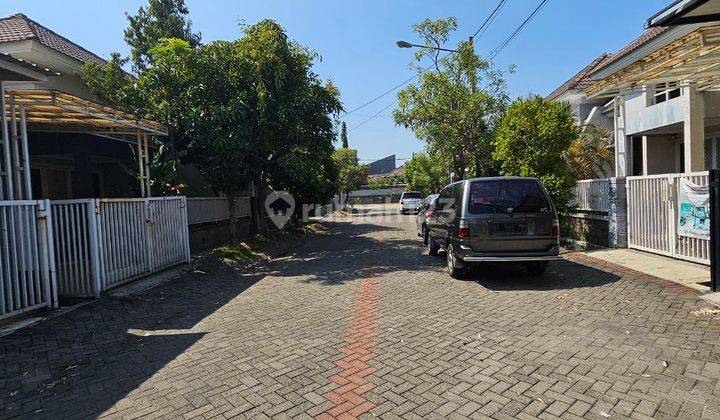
x=425, y=174
x=532, y=140
x=456, y=107
x=160, y=19
x=351, y=175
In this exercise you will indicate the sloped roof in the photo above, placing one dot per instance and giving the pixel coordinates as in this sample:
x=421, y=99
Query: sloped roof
x=647, y=36
x=582, y=79
x=19, y=27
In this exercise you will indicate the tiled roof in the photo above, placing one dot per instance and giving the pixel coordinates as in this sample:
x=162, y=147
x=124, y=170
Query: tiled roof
x=647, y=36
x=582, y=79
x=19, y=27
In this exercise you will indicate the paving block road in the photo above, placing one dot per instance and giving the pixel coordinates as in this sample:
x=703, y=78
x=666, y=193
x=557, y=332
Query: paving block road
x=359, y=323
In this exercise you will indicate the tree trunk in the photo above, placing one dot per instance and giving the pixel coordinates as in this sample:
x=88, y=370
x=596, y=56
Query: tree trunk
x=234, y=234
x=258, y=208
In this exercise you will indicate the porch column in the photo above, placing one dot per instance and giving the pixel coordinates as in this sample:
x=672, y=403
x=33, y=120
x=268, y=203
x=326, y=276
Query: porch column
x=645, y=155
x=621, y=142
x=694, y=130
x=141, y=165
x=7, y=162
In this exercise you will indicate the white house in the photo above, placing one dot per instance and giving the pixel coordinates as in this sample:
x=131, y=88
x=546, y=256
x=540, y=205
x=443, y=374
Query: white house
x=662, y=94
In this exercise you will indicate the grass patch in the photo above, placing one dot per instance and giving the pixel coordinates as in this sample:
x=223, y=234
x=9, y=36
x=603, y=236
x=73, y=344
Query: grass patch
x=258, y=246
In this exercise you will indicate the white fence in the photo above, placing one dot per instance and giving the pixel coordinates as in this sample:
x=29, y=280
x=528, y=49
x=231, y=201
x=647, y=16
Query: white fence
x=102, y=243
x=592, y=195
x=26, y=263
x=213, y=209
x=653, y=215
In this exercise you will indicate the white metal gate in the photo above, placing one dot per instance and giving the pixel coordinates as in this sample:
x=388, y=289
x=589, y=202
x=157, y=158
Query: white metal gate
x=652, y=217
x=26, y=262
x=102, y=243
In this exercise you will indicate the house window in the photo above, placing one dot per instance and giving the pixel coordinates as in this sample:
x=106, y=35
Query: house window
x=664, y=92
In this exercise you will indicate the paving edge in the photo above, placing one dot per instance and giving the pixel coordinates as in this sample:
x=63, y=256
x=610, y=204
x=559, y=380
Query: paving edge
x=673, y=284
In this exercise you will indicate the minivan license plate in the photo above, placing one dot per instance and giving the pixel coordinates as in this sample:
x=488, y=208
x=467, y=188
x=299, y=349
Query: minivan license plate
x=511, y=228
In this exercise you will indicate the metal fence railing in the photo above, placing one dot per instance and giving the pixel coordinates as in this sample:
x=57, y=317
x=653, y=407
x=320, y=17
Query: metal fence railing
x=214, y=209
x=26, y=262
x=592, y=195
x=653, y=217
x=102, y=243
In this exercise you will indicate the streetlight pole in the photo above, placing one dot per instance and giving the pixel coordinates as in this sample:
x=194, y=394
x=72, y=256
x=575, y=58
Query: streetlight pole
x=405, y=44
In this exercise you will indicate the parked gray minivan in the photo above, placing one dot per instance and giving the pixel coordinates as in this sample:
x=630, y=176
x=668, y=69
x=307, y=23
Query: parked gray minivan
x=502, y=219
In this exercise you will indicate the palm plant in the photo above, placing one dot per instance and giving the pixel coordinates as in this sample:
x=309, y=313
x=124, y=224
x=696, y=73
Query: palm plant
x=592, y=154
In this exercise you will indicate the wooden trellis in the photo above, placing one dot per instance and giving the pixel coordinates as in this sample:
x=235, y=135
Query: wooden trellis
x=693, y=59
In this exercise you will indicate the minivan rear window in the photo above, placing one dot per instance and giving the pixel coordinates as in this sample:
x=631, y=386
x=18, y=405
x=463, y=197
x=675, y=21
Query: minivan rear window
x=412, y=195
x=507, y=196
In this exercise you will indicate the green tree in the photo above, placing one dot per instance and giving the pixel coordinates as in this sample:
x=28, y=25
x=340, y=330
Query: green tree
x=455, y=109
x=343, y=136
x=160, y=19
x=249, y=110
x=351, y=175
x=533, y=139
x=425, y=174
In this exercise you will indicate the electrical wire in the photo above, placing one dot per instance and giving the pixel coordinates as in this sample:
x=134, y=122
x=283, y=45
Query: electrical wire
x=482, y=27
x=373, y=116
x=497, y=50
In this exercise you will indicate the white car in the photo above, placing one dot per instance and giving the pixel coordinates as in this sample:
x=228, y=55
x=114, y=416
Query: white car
x=410, y=201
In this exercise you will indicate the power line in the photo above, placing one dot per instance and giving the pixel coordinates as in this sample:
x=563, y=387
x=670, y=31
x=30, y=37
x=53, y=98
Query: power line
x=497, y=50
x=374, y=115
x=484, y=26
x=489, y=19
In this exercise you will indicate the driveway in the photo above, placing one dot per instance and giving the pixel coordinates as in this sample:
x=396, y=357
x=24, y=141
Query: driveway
x=359, y=323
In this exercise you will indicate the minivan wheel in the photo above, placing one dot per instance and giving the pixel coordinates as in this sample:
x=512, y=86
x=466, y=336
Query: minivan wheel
x=432, y=247
x=537, y=268
x=453, y=265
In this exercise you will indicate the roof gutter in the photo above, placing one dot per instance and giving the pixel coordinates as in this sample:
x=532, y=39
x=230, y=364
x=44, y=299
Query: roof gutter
x=675, y=14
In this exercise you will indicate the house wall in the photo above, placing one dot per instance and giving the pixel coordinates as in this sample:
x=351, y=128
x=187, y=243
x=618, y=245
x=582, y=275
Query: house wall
x=661, y=154
x=642, y=117
x=70, y=69
x=65, y=166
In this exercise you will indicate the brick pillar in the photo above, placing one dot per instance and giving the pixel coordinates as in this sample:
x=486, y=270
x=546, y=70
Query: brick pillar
x=617, y=216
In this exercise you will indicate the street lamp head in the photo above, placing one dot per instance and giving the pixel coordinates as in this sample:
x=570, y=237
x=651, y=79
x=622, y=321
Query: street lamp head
x=404, y=44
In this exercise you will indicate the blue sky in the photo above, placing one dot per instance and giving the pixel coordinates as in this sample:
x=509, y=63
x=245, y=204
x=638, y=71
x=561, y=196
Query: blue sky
x=356, y=40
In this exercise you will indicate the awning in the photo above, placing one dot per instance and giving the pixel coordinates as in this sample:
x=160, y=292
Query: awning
x=62, y=112
x=693, y=59
x=683, y=12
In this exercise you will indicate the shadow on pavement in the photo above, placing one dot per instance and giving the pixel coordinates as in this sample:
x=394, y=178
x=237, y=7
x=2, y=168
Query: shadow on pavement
x=82, y=363
x=560, y=275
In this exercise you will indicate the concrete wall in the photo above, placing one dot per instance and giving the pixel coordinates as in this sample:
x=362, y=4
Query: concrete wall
x=207, y=236
x=584, y=230
x=641, y=117
x=661, y=154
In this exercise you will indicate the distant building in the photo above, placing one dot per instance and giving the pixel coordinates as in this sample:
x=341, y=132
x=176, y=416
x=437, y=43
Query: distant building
x=382, y=166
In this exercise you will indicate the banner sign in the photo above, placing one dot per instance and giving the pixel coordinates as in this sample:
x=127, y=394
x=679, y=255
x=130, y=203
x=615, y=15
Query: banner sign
x=693, y=210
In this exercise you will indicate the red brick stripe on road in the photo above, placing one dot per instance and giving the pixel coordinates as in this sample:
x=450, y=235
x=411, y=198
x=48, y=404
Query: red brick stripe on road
x=353, y=380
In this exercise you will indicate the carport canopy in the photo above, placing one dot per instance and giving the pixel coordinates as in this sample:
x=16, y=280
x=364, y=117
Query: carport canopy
x=694, y=59
x=26, y=110
x=51, y=110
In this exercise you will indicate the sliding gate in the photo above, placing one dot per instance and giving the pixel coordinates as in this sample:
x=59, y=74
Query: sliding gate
x=652, y=207
x=26, y=259
x=102, y=243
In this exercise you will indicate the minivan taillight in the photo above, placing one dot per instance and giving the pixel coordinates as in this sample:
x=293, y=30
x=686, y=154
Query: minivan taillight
x=556, y=228
x=463, y=229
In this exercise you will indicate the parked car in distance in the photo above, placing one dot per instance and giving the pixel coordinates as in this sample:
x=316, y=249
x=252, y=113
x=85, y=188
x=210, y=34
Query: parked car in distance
x=501, y=219
x=426, y=208
x=410, y=202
